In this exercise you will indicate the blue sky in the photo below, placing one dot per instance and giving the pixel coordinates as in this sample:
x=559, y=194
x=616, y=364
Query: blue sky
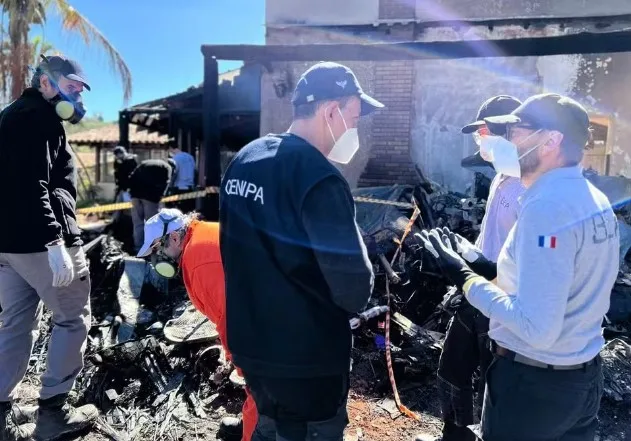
x=159, y=39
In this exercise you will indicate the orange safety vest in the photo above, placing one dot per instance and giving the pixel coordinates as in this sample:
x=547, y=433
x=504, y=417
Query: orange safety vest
x=203, y=276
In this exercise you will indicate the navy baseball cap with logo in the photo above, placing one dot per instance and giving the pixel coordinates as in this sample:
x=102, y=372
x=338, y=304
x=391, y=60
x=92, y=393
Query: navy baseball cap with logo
x=63, y=66
x=328, y=81
x=498, y=105
x=550, y=111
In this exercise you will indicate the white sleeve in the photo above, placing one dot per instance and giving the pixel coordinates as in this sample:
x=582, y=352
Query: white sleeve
x=545, y=250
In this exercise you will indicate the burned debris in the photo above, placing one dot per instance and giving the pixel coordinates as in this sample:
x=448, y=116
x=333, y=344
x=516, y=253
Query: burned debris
x=151, y=360
x=153, y=363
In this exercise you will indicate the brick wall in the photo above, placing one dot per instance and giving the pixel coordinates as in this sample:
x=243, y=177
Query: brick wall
x=385, y=136
x=384, y=157
x=276, y=112
x=390, y=160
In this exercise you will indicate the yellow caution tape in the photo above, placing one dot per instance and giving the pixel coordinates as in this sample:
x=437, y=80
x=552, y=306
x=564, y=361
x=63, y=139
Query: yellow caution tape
x=127, y=205
x=119, y=206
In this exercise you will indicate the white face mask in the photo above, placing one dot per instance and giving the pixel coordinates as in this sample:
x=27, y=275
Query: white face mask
x=503, y=154
x=344, y=148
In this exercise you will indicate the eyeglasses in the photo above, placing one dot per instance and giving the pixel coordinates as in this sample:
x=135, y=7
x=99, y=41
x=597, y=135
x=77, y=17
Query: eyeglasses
x=510, y=130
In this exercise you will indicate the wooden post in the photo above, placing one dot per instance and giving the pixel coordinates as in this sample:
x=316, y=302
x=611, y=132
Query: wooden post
x=97, y=172
x=210, y=142
x=123, y=129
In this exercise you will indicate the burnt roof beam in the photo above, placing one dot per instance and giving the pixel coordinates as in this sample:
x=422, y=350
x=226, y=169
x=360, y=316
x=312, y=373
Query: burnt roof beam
x=579, y=43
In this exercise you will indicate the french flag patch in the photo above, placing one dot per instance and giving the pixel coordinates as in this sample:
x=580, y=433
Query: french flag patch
x=547, y=241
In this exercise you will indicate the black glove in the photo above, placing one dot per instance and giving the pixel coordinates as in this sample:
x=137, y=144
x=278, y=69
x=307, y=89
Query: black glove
x=472, y=255
x=453, y=266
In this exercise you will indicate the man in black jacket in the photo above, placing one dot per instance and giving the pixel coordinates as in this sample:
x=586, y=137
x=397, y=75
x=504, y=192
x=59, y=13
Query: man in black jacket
x=124, y=165
x=41, y=258
x=147, y=185
x=294, y=260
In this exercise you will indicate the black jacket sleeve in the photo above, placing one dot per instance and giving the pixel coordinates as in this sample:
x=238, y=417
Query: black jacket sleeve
x=328, y=214
x=34, y=154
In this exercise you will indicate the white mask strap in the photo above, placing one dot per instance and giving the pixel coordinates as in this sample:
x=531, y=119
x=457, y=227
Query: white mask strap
x=343, y=120
x=329, y=127
x=532, y=148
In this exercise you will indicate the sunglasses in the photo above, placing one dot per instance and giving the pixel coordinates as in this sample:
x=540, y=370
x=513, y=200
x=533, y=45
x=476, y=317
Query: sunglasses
x=510, y=129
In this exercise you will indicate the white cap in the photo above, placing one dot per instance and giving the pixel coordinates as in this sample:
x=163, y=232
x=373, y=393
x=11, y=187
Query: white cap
x=172, y=218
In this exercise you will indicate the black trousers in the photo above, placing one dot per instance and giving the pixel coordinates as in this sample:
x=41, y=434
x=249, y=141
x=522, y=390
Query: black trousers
x=525, y=403
x=465, y=349
x=297, y=409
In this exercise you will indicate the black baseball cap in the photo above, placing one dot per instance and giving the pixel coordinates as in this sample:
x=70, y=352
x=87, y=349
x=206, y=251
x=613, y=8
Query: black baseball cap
x=326, y=81
x=63, y=66
x=550, y=111
x=497, y=105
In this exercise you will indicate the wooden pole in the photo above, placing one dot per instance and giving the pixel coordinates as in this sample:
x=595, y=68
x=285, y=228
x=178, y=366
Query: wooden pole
x=123, y=129
x=210, y=142
x=97, y=162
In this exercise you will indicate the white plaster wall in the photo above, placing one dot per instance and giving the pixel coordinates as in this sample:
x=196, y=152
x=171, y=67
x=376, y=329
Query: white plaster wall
x=321, y=12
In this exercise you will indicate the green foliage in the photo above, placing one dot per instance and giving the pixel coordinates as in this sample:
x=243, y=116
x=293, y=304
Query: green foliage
x=87, y=123
x=17, y=52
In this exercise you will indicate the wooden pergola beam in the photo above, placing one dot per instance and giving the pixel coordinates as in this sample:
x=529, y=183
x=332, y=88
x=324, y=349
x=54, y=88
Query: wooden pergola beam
x=580, y=43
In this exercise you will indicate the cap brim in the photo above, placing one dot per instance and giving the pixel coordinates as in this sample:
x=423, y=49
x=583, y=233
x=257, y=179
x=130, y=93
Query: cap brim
x=369, y=104
x=503, y=119
x=145, y=250
x=470, y=128
x=76, y=77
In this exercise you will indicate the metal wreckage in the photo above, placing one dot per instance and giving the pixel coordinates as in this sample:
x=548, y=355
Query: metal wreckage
x=151, y=361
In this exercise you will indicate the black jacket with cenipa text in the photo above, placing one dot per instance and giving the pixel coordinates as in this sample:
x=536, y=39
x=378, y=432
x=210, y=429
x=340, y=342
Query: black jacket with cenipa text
x=37, y=177
x=294, y=261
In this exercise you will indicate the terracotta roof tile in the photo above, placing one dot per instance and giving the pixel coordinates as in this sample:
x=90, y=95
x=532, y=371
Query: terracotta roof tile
x=109, y=134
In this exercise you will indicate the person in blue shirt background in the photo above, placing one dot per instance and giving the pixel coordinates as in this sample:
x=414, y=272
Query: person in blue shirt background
x=183, y=179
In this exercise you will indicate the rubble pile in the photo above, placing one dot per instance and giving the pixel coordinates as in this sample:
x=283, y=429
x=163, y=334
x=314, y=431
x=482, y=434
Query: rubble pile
x=421, y=296
x=616, y=357
x=149, y=381
x=144, y=385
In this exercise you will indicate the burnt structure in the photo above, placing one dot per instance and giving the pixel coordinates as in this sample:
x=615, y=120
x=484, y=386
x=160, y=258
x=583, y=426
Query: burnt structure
x=382, y=53
x=180, y=118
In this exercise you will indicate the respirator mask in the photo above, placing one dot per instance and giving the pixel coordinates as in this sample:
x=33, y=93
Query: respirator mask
x=345, y=147
x=504, y=154
x=164, y=265
x=69, y=107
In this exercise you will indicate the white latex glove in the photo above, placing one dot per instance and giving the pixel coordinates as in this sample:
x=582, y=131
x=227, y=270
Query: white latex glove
x=467, y=250
x=60, y=264
x=423, y=236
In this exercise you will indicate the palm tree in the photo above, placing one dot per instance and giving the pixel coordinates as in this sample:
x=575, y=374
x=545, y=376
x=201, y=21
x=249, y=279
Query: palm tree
x=21, y=15
x=37, y=47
